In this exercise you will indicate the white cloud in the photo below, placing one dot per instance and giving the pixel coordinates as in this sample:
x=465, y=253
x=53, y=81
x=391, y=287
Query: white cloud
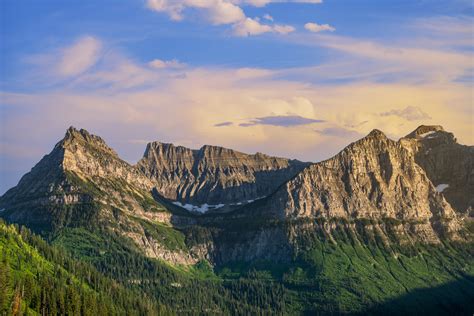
x=217, y=11
x=283, y=29
x=161, y=64
x=315, y=27
x=250, y=27
x=173, y=9
x=220, y=12
x=80, y=56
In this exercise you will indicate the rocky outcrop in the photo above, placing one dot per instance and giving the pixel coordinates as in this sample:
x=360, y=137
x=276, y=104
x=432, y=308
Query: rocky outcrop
x=449, y=165
x=214, y=175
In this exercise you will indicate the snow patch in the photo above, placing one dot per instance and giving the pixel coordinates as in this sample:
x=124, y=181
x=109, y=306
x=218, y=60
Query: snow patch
x=200, y=209
x=2, y=210
x=426, y=134
x=207, y=207
x=441, y=187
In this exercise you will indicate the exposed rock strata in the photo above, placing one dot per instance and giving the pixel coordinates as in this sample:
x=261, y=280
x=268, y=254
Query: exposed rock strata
x=214, y=174
x=374, y=179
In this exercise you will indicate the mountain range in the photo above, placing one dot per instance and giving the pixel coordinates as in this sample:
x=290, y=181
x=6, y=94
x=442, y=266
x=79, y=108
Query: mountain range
x=383, y=226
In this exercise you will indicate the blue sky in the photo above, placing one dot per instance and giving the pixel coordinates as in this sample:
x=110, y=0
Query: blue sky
x=254, y=75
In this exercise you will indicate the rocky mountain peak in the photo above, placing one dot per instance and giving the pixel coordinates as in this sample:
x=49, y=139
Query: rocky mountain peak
x=159, y=148
x=425, y=130
x=377, y=134
x=75, y=138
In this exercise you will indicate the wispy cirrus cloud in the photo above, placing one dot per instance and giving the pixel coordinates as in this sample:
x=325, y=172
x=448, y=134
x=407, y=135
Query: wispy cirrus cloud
x=80, y=56
x=71, y=60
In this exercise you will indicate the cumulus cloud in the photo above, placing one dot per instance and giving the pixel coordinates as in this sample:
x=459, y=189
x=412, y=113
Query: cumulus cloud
x=283, y=29
x=220, y=12
x=281, y=120
x=217, y=11
x=410, y=113
x=250, y=27
x=161, y=64
x=315, y=27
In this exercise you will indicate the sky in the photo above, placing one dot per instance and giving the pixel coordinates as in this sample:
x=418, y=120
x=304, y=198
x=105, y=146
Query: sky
x=293, y=78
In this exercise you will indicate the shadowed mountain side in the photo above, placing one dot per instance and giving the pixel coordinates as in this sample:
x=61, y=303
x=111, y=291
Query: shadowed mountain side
x=453, y=298
x=448, y=164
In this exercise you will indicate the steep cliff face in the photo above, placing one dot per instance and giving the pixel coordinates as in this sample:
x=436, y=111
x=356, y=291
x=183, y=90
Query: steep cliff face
x=214, y=175
x=449, y=165
x=374, y=179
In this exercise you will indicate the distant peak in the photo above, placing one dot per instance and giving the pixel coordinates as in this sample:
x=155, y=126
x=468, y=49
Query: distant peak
x=376, y=133
x=73, y=133
x=157, y=144
x=424, y=129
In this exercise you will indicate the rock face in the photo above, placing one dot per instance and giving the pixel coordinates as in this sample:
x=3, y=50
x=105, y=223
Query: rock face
x=374, y=179
x=213, y=174
x=449, y=165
